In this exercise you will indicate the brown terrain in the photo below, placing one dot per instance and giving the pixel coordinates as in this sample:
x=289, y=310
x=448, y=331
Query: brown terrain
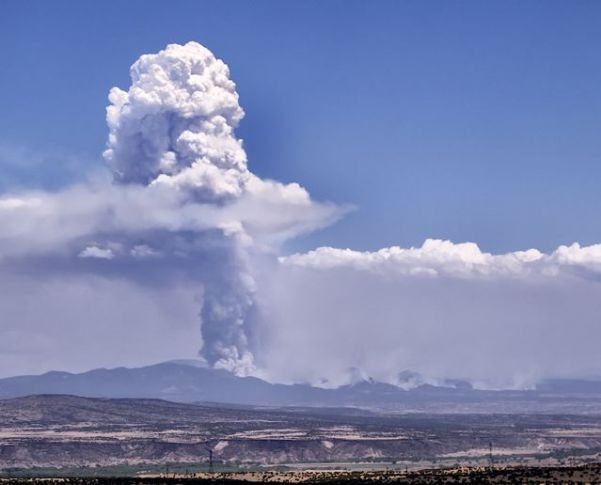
x=67, y=436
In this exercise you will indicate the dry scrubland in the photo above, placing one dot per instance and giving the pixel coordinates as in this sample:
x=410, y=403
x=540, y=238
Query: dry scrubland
x=522, y=475
x=153, y=441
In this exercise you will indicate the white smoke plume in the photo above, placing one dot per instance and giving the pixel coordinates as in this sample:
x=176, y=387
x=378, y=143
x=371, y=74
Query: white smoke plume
x=181, y=191
x=181, y=228
x=174, y=129
x=175, y=125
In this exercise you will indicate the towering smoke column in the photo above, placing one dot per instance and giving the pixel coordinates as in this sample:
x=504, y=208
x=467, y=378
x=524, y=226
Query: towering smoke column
x=174, y=128
x=185, y=217
x=182, y=210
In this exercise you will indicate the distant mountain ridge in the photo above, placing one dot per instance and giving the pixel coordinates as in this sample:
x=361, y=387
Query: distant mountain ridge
x=184, y=381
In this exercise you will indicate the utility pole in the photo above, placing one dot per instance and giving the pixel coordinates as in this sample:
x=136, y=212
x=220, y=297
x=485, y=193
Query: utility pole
x=490, y=454
x=210, y=450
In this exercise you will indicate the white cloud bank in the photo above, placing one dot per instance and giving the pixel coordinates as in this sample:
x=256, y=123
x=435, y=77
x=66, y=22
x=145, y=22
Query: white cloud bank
x=183, y=228
x=443, y=310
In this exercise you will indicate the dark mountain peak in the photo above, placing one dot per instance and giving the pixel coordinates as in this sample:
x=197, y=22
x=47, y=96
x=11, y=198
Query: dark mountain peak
x=186, y=382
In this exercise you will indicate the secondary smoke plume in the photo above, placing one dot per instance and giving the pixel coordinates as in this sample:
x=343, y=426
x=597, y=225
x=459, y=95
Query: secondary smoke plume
x=442, y=310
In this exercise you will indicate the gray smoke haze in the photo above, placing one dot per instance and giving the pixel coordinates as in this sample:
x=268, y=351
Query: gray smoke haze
x=442, y=310
x=179, y=234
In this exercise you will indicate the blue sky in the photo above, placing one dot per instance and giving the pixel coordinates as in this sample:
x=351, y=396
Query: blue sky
x=464, y=120
x=468, y=121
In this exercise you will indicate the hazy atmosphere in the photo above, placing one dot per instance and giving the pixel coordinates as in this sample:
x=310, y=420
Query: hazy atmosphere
x=405, y=199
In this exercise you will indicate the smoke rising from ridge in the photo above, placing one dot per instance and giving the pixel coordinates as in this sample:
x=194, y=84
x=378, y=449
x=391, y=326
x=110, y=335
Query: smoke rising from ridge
x=182, y=199
x=181, y=218
x=174, y=130
x=174, y=127
x=442, y=310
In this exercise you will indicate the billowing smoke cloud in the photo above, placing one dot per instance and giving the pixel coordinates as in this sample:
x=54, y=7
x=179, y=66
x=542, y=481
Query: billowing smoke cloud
x=174, y=128
x=181, y=229
x=182, y=199
x=175, y=125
